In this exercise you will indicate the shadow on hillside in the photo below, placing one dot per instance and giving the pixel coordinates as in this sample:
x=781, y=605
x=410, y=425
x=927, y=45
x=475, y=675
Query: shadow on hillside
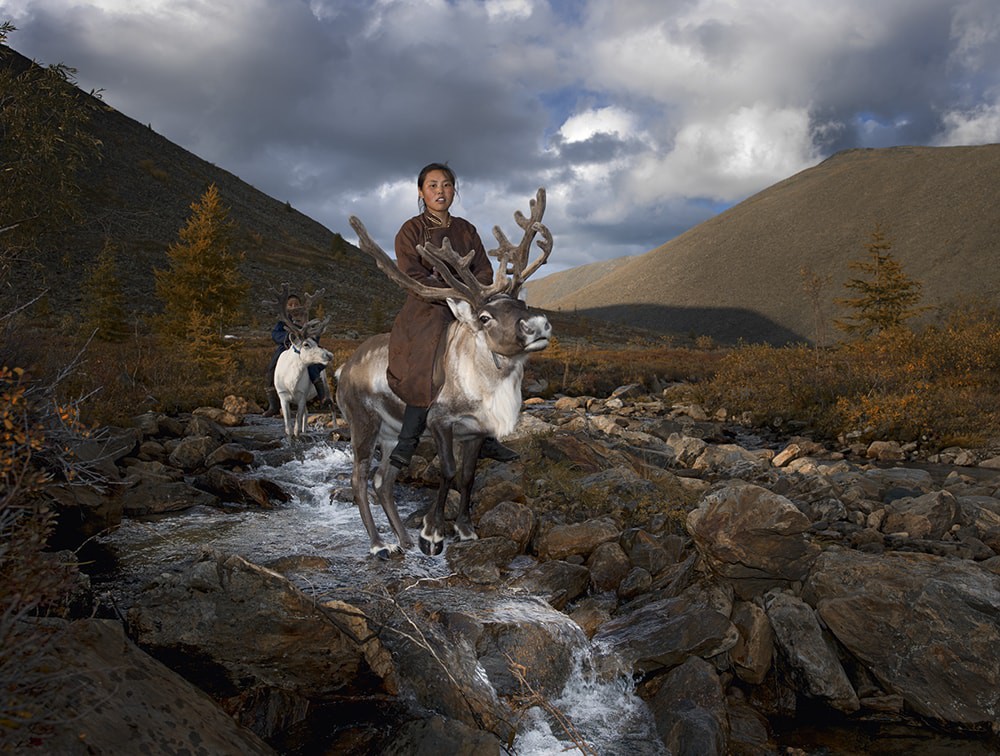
x=726, y=325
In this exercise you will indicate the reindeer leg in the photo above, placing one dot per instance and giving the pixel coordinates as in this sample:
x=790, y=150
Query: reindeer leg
x=432, y=533
x=385, y=480
x=286, y=415
x=466, y=477
x=359, y=484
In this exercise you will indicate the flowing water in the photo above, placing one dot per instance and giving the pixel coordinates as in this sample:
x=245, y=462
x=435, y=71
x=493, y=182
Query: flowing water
x=321, y=531
x=321, y=521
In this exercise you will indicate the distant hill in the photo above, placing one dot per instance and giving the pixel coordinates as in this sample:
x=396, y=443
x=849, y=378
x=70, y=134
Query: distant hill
x=140, y=195
x=737, y=275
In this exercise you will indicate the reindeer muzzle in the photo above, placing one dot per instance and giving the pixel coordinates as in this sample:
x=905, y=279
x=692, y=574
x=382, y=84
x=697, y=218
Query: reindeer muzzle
x=535, y=332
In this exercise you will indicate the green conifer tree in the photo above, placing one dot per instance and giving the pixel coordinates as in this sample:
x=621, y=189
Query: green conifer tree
x=885, y=296
x=104, y=301
x=203, y=277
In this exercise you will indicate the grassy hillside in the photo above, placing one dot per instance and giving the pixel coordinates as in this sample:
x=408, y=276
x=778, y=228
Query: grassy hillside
x=140, y=195
x=737, y=276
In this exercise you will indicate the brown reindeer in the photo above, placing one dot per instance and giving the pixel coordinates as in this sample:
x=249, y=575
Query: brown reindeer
x=487, y=345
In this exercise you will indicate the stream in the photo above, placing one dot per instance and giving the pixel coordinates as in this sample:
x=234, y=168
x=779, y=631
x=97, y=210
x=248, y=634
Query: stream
x=321, y=521
x=320, y=532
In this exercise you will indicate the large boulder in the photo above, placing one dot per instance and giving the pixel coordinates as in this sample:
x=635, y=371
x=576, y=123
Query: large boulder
x=663, y=634
x=114, y=698
x=809, y=655
x=259, y=645
x=925, y=627
x=752, y=537
x=690, y=710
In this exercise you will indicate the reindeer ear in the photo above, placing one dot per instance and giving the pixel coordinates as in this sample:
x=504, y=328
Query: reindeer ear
x=461, y=309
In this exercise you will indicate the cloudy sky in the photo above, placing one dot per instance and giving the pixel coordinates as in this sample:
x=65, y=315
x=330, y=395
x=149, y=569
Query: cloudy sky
x=641, y=118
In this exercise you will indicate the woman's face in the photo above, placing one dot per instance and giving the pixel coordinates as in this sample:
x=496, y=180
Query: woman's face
x=437, y=192
x=296, y=313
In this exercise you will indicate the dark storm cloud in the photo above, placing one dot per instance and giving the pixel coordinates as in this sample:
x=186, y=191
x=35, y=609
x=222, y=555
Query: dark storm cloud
x=641, y=119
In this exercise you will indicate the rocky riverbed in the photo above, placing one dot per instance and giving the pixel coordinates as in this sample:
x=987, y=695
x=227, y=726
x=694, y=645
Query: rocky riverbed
x=743, y=597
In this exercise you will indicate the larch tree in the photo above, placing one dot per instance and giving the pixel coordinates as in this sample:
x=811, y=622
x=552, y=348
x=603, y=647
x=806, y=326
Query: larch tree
x=203, y=279
x=885, y=297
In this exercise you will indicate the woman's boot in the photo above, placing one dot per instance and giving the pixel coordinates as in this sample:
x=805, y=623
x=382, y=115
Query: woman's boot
x=273, y=404
x=414, y=422
x=322, y=392
x=493, y=449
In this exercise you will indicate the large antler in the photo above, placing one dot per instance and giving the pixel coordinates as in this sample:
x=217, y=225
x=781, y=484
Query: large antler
x=513, y=261
x=309, y=329
x=453, y=268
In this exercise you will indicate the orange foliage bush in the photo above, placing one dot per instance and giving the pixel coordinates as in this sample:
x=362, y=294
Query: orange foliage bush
x=939, y=385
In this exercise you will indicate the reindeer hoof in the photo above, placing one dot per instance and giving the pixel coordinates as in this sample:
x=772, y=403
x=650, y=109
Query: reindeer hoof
x=465, y=532
x=431, y=548
x=384, y=552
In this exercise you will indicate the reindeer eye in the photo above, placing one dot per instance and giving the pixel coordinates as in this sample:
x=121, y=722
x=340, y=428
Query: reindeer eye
x=485, y=318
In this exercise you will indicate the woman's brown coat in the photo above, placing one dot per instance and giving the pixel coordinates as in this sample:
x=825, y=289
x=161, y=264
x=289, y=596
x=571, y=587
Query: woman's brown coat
x=418, y=328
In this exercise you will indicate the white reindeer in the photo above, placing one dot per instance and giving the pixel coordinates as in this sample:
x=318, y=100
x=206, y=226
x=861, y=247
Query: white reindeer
x=487, y=345
x=291, y=376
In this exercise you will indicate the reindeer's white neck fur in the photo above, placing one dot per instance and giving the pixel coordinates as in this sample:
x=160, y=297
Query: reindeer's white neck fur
x=488, y=387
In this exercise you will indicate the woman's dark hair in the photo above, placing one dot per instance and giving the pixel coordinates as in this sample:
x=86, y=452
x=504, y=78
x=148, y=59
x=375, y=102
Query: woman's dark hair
x=436, y=167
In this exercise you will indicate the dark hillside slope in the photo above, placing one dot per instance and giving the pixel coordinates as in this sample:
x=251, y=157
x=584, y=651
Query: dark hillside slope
x=140, y=194
x=737, y=275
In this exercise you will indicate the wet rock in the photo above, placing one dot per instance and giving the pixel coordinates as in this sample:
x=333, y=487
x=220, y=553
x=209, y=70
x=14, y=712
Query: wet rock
x=150, y=471
x=234, y=489
x=525, y=645
x=608, y=566
x=256, y=643
x=230, y=455
x=511, y=519
x=557, y=581
x=438, y=667
x=807, y=652
x=133, y=703
x=157, y=497
x=439, y=735
x=925, y=627
x=753, y=538
x=690, y=710
x=192, y=451
x=578, y=539
x=482, y=560
x=664, y=633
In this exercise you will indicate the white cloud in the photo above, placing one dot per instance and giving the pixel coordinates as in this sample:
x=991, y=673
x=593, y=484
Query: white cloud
x=980, y=125
x=609, y=120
